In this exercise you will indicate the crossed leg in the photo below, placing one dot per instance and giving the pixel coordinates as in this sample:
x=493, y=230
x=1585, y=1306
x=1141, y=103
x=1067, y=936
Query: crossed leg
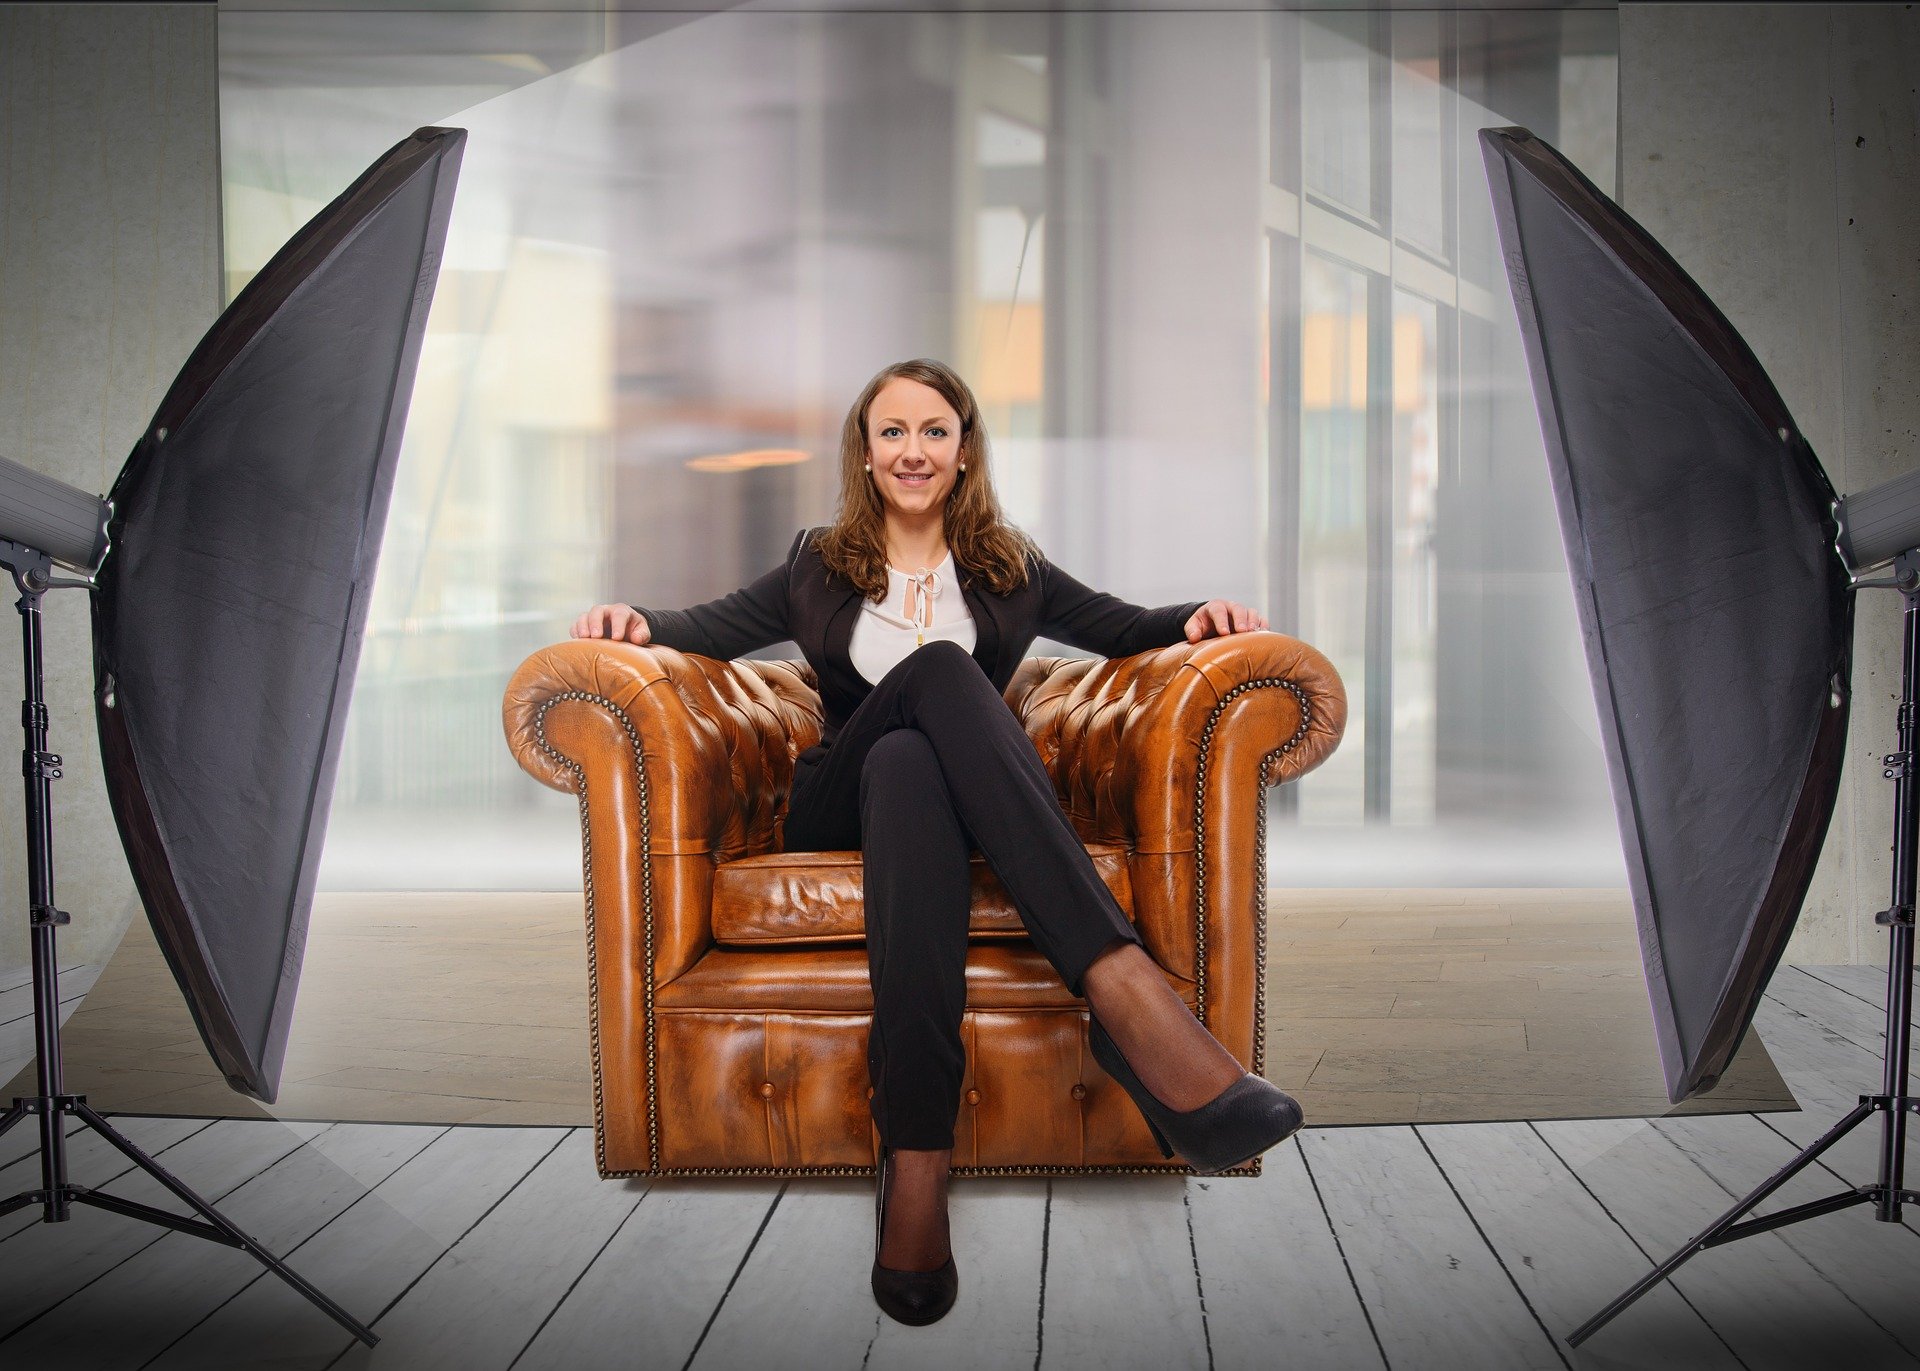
x=939, y=761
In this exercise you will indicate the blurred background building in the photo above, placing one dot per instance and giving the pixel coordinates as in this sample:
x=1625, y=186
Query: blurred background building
x=1224, y=279
x=1225, y=282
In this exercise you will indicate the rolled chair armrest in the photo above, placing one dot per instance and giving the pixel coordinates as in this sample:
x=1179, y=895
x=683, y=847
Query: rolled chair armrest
x=680, y=761
x=1169, y=752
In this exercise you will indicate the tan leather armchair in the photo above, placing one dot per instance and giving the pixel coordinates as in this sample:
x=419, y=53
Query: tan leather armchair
x=729, y=995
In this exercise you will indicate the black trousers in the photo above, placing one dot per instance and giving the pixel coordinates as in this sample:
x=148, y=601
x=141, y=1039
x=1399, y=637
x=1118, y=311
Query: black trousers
x=930, y=765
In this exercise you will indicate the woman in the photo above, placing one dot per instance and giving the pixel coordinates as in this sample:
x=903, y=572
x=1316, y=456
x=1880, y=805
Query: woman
x=920, y=760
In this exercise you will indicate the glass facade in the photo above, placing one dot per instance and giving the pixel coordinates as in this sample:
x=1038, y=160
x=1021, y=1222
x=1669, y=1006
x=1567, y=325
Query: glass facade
x=1225, y=283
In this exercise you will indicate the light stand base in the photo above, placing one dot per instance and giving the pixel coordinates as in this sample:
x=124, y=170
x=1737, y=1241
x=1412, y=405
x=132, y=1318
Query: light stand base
x=1888, y=1192
x=215, y=1228
x=1727, y=1228
x=32, y=573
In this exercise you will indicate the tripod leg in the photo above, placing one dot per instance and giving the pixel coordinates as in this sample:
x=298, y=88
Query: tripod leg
x=1712, y=1235
x=217, y=1220
x=21, y=1201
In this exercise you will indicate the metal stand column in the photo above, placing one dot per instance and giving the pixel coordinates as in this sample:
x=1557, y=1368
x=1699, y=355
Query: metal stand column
x=56, y=1195
x=1893, y=1103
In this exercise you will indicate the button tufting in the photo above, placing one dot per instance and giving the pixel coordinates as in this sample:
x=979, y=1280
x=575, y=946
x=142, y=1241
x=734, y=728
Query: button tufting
x=1079, y=1091
x=766, y=1090
x=973, y=1097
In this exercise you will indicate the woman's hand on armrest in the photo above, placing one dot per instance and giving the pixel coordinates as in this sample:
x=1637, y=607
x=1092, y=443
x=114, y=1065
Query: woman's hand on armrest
x=1223, y=619
x=613, y=621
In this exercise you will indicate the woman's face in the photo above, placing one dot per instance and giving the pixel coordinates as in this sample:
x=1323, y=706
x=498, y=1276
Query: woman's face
x=913, y=445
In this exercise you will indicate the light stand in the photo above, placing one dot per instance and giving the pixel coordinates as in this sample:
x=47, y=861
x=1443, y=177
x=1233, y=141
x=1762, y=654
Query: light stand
x=1886, y=1193
x=32, y=572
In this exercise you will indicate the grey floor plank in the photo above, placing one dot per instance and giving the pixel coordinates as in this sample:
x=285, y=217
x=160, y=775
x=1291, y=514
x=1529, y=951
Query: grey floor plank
x=16, y=993
x=658, y=1280
x=367, y=1257
x=141, y=1306
x=477, y=1245
x=802, y=1298
x=487, y=1295
x=1274, y=1275
x=1565, y=1251
x=22, y=1139
x=1437, y=1293
x=1873, y=1262
x=1821, y=1065
x=41, y=1266
x=1836, y=1009
x=1867, y=981
x=803, y=1295
x=1121, y=1288
x=1828, y=1074
x=16, y=1013
x=91, y=1160
x=999, y=1233
x=1759, y=1294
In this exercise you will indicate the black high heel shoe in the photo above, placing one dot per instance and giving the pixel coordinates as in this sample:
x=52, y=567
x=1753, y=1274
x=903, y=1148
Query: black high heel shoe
x=1242, y=1121
x=916, y=1297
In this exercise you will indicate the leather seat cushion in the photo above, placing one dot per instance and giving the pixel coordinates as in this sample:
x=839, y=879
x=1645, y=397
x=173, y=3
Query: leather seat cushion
x=1003, y=974
x=815, y=897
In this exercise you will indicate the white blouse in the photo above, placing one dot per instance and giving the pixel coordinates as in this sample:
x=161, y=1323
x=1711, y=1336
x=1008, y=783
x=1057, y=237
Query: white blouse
x=886, y=632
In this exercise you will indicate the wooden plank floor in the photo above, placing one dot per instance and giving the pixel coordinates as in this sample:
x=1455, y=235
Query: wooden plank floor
x=1382, y=1006
x=1433, y=1246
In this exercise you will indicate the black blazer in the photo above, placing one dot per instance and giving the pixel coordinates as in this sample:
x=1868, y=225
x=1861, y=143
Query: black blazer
x=802, y=601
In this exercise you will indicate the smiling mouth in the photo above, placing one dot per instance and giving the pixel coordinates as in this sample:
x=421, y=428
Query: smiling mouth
x=919, y=480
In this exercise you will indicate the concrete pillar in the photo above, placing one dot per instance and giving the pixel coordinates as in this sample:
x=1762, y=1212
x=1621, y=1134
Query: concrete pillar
x=1772, y=149
x=110, y=225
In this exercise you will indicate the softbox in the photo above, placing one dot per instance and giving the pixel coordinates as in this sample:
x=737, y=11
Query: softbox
x=1715, y=613
x=230, y=609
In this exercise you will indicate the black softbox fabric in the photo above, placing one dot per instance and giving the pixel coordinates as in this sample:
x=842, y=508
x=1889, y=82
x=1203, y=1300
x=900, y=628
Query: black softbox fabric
x=1717, y=623
x=230, y=610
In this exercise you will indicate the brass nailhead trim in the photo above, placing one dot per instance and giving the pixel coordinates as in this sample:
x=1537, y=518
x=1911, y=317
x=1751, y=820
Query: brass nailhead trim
x=646, y=900
x=1250, y=1168
x=1260, y=860
x=869, y=1170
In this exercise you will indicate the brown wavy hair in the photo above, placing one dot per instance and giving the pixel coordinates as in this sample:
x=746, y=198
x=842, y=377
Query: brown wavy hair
x=985, y=546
